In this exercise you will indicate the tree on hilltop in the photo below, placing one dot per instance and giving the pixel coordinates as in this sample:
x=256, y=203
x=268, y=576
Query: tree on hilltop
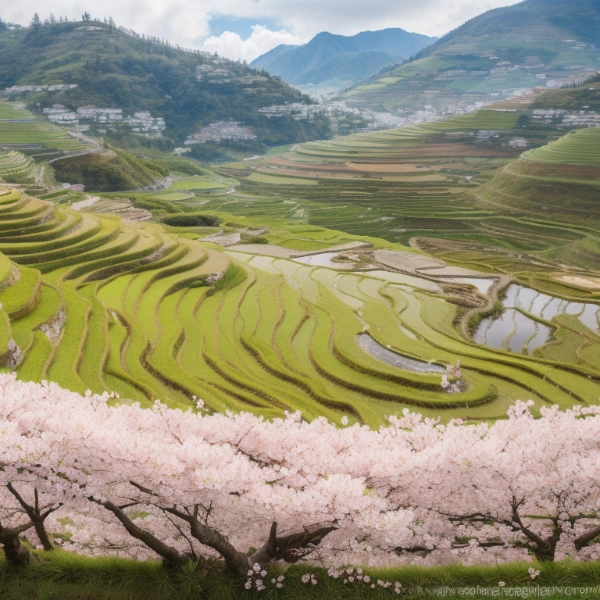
x=36, y=21
x=86, y=17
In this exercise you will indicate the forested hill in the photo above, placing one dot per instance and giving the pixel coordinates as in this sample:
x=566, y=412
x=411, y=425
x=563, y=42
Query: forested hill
x=114, y=68
x=531, y=44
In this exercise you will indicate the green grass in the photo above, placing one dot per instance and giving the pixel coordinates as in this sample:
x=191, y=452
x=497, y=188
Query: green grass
x=8, y=111
x=69, y=577
x=198, y=183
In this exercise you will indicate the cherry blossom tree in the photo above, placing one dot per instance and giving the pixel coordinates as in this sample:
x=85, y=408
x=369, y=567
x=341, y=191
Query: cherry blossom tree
x=97, y=477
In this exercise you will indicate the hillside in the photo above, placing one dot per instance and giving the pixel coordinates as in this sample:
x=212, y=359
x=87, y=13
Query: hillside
x=109, y=171
x=537, y=43
x=331, y=61
x=95, y=64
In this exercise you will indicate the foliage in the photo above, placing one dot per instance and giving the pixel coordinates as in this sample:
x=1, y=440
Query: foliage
x=113, y=68
x=188, y=486
x=191, y=220
x=113, y=171
x=181, y=165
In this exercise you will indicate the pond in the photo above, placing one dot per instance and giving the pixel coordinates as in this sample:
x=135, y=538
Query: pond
x=376, y=350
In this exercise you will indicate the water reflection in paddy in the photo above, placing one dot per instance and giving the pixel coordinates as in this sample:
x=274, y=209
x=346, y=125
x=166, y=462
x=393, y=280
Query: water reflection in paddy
x=512, y=331
x=376, y=350
x=547, y=307
x=518, y=332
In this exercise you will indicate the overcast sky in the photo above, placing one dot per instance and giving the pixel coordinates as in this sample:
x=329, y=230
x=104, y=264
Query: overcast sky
x=244, y=29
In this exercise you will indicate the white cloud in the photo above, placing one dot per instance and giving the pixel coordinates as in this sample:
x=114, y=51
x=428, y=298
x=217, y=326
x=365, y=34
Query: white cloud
x=231, y=45
x=187, y=22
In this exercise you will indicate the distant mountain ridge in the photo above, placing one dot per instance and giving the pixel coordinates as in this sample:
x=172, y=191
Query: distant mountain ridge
x=338, y=60
x=531, y=44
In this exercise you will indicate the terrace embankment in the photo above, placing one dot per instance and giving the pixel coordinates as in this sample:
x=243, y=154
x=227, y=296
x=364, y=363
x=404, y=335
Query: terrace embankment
x=91, y=301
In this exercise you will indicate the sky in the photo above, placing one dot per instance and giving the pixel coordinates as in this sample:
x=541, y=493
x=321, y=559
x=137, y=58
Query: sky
x=245, y=29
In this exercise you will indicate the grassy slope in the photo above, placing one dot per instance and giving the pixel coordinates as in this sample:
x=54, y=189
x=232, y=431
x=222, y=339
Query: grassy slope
x=108, y=172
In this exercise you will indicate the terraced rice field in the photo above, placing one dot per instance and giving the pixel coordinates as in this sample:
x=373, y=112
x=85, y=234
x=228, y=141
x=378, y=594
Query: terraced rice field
x=37, y=133
x=94, y=303
x=201, y=184
x=15, y=164
x=455, y=189
x=21, y=130
x=581, y=147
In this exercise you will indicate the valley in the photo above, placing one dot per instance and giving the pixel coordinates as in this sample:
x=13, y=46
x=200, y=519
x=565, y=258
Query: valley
x=271, y=342
x=336, y=278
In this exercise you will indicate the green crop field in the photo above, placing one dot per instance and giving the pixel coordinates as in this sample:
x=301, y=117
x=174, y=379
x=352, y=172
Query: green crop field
x=201, y=183
x=102, y=304
x=21, y=130
x=15, y=164
x=580, y=147
x=151, y=311
x=9, y=112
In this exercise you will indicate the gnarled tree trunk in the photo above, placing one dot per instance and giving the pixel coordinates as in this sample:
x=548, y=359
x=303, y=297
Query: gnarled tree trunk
x=16, y=554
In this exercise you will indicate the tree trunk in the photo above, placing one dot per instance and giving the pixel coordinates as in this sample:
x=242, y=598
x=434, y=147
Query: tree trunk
x=587, y=539
x=170, y=556
x=40, y=529
x=16, y=554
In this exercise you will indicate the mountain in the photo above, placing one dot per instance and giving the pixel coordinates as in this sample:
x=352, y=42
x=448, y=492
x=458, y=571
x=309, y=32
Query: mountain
x=336, y=61
x=96, y=64
x=547, y=43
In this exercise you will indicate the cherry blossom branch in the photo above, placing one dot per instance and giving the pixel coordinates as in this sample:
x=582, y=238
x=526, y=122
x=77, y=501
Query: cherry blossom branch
x=36, y=515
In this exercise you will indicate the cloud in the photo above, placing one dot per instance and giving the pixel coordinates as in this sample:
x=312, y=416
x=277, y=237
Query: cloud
x=187, y=22
x=261, y=40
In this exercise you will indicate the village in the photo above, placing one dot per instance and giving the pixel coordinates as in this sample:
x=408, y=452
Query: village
x=565, y=118
x=31, y=89
x=141, y=123
x=219, y=132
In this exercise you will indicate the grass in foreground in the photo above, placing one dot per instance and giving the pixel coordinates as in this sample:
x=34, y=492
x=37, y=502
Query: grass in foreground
x=65, y=576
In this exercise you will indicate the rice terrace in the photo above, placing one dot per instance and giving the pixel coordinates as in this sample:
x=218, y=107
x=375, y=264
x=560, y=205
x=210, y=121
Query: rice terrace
x=289, y=362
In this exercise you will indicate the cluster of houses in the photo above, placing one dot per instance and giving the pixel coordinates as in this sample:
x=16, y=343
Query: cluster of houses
x=562, y=82
x=219, y=132
x=518, y=142
x=485, y=136
x=566, y=118
x=31, y=89
x=141, y=123
x=334, y=111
